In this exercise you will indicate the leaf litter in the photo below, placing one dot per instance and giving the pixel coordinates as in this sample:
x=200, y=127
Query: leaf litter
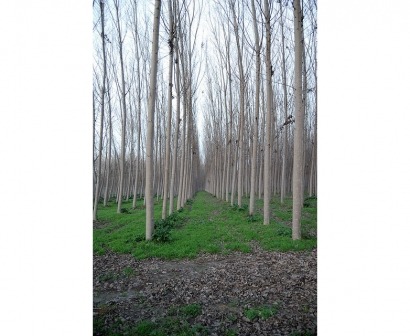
x=127, y=291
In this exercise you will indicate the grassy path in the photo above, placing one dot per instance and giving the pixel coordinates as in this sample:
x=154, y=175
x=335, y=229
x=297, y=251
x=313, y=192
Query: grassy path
x=207, y=225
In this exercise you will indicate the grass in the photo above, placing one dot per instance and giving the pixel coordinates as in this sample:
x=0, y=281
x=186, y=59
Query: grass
x=303, y=333
x=178, y=321
x=263, y=312
x=206, y=224
x=192, y=310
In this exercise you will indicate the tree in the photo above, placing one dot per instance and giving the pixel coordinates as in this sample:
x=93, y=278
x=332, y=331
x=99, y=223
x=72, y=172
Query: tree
x=177, y=121
x=150, y=125
x=241, y=106
x=267, y=150
x=124, y=105
x=139, y=99
x=285, y=109
x=108, y=170
x=169, y=112
x=97, y=187
x=256, y=118
x=299, y=121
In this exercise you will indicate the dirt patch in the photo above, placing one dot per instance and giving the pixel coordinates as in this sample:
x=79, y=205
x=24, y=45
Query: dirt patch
x=130, y=290
x=100, y=224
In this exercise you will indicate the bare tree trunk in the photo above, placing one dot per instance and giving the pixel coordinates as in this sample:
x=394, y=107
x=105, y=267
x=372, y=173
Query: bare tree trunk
x=285, y=107
x=230, y=140
x=169, y=112
x=227, y=151
x=304, y=102
x=157, y=167
x=177, y=121
x=94, y=158
x=138, y=112
x=150, y=124
x=106, y=195
x=313, y=167
x=97, y=187
x=255, y=124
x=261, y=166
x=184, y=109
x=241, y=108
x=299, y=117
x=266, y=175
x=129, y=185
x=124, y=109
x=234, y=163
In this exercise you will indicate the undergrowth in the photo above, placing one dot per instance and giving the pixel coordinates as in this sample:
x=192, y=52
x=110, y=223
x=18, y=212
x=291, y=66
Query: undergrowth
x=178, y=321
x=205, y=225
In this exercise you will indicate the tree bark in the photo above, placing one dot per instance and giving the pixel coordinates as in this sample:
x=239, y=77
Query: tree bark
x=241, y=109
x=97, y=187
x=138, y=113
x=285, y=108
x=177, y=121
x=150, y=125
x=169, y=111
x=266, y=175
x=256, y=121
x=124, y=110
x=106, y=194
x=299, y=117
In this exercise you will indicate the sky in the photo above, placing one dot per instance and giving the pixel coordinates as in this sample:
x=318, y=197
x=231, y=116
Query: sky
x=46, y=184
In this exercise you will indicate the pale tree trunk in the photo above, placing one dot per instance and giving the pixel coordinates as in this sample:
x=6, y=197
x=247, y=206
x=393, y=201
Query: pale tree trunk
x=94, y=158
x=106, y=194
x=313, y=167
x=241, y=108
x=298, y=133
x=230, y=169
x=261, y=165
x=124, y=109
x=182, y=165
x=313, y=170
x=224, y=111
x=184, y=108
x=227, y=150
x=137, y=163
x=97, y=187
x=255, y=124
x=177, y=121
x=285, y=107
x=304, y=103
x=158, y=166
x=150, y=125
x=268, y=74
x=188, y=145
x=138, y=112
x=234, y=163
x=129, y=186
x=169, y=112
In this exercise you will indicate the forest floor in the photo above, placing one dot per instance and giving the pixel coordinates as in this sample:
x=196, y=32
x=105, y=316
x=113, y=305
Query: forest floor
x=257, y=293
x=253, y=292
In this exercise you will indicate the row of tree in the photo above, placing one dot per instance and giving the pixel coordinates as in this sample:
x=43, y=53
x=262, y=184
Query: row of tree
x=140, y=107
x=159, y=89
x=261, y=103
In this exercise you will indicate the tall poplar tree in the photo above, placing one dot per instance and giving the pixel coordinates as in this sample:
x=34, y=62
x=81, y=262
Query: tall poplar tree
x=299, y=121
x=97, y=187
x=267, y=150
x=256, y=118
x=169, y=111
x=149, y=228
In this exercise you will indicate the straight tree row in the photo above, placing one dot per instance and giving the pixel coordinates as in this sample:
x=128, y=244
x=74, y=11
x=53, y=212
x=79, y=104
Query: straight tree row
x=260, y=104
x=146, y=140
